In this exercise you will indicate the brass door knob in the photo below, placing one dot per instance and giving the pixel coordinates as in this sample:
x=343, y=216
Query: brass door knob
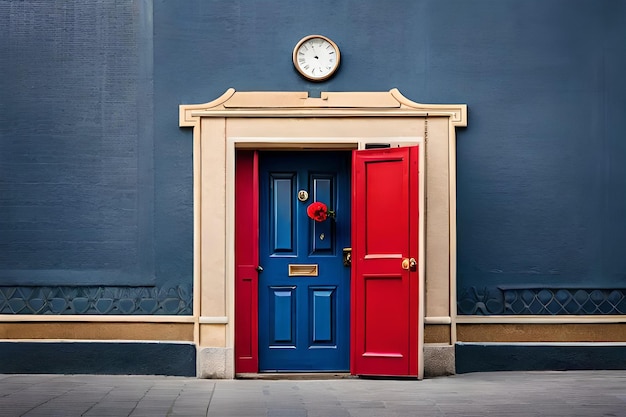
x=409, y=263
x=405, y=263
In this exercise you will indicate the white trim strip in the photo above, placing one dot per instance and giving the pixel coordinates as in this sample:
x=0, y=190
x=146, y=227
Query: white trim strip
x=310, y=112
x=174, y=342
x=539, y=319
x=546, y=344
x=213, y=320
x=437, y=320
x=22, y=318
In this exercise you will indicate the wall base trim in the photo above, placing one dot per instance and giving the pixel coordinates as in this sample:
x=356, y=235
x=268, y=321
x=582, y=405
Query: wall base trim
x=489, y=357
x=103, y=358
x=539, y=319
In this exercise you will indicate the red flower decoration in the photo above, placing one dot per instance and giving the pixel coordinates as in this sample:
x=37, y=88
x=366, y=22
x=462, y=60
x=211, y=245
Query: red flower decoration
x=319, y=212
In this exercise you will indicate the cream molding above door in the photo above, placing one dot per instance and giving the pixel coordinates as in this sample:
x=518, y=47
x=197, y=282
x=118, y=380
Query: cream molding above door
x=331, y=104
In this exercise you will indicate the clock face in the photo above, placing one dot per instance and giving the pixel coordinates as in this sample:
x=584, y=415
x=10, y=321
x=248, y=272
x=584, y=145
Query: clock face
x=316, y=57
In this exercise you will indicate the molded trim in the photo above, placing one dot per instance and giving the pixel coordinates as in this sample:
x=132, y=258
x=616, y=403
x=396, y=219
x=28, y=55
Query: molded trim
x=437, y=320
x=330, y=104
x=539, y=319
x=23, y=318
x=213, y=320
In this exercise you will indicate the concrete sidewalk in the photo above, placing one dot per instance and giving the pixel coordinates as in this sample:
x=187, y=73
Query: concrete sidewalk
x=572, y=393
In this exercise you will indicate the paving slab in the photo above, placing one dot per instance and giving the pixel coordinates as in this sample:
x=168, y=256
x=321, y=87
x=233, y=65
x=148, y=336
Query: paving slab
x=571, y=393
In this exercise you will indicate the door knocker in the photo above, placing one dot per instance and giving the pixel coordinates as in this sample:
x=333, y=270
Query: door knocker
x=303, y=195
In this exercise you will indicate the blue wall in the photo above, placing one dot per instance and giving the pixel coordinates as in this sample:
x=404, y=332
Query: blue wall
x=87, y=224
x=541, y=165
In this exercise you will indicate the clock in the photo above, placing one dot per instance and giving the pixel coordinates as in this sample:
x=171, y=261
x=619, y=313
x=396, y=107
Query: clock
x=316, y=57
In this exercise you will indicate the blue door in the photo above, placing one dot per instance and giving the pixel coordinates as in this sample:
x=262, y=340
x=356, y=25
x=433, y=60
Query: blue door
x=304, y=297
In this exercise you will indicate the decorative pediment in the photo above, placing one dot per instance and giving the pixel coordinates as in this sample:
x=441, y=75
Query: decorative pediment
x=330, y=104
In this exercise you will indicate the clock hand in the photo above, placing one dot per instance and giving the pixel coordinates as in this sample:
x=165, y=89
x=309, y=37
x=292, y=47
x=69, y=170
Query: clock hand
x=314, y=51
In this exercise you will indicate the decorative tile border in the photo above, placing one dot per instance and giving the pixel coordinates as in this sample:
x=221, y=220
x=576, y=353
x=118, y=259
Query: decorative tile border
x=173, y=300
x=541, y=301
x=178, y=300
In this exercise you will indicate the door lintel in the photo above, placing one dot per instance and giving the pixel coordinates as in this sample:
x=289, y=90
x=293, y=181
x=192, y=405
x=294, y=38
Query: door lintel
x=330, y=104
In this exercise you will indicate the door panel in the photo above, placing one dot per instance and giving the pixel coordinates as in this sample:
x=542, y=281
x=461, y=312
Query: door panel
x=282, y=313
x=382, y=336
x=385, y=294
x=282, y=214
x=304, y=298
x=323, y=311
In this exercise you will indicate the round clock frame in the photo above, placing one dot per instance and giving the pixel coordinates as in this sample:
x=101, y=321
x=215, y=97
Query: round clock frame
x=316, y=57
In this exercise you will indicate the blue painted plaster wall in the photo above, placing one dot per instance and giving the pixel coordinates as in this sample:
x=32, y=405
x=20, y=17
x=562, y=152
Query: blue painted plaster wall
x=76, y=205
x=87, y=226
x=541, y=166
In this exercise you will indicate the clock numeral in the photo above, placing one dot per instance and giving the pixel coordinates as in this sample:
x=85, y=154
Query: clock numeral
x=306, y=67
x=301, y=60
x=331, y=52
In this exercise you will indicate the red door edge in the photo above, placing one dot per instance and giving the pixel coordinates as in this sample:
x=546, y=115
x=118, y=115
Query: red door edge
x=246, y=262
x=414, y=283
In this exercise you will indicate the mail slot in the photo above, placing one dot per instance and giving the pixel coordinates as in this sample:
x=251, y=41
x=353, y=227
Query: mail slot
x=303, y=270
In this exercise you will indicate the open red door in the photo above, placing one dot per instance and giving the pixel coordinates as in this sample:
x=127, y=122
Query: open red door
x=385, y=277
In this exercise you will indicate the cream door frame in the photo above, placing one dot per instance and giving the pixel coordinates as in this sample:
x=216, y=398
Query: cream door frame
x=292, y=120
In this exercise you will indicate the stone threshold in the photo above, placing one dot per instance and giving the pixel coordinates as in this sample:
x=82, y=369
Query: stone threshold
x=296, y=375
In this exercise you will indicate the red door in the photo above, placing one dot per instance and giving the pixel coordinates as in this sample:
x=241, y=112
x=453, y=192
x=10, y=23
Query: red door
x=385, y=274
x=246, y=262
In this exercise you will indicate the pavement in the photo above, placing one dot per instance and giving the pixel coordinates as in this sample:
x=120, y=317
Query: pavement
x=571, y=393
